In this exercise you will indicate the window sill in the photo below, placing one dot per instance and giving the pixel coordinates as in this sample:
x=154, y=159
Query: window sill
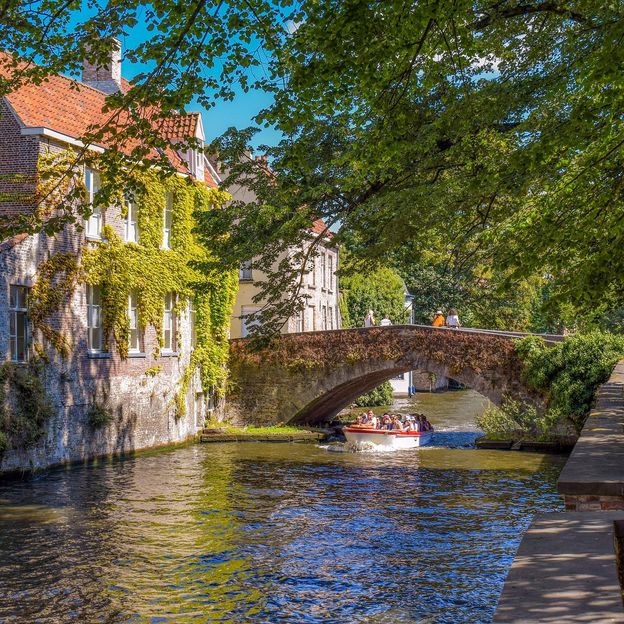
x=245, y=279
x=99, y=355
x=168, y=354
x=136, y=354
x=93, y=239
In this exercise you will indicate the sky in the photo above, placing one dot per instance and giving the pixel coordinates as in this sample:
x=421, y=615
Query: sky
x=238, y=113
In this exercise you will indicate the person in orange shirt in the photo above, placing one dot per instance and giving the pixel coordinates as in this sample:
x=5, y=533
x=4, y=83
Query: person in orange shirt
x=438, y=319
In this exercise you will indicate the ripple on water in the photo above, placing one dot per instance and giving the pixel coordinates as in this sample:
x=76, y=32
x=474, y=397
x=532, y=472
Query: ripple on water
x=254, y=533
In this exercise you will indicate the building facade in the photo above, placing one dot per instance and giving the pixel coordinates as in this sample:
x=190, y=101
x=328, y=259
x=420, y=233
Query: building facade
x=99, y=320
x=321, y=310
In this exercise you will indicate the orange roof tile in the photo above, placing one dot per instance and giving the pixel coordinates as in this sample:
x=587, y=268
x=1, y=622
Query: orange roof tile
x=319, y=227
x=73, y=108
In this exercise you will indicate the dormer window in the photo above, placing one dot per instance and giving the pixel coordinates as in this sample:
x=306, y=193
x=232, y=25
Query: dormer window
x=168, y=220
x=93, y=224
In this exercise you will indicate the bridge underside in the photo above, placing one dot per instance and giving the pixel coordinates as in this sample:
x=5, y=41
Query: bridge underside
x=308, y=378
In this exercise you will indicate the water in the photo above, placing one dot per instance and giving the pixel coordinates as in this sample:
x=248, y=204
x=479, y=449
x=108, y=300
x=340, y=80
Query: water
x=279, y=533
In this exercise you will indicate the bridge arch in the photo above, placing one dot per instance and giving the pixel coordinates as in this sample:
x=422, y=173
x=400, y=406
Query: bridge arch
x=309, y=377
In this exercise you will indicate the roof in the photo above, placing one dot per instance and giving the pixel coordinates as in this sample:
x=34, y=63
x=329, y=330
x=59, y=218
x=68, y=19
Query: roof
x=180, y=126
x=320, y=227
x=74, y=109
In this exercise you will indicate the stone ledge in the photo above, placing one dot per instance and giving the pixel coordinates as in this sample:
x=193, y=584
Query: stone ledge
x=565, y=571
x=303, y=436
x=596, y=465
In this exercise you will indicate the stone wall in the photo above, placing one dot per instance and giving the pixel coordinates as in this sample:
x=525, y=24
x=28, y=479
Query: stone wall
x=593, y=477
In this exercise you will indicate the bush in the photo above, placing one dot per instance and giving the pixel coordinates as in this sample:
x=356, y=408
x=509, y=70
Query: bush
x=569, y=373
x=24, y=405
x=98, y=416
x=381, y=395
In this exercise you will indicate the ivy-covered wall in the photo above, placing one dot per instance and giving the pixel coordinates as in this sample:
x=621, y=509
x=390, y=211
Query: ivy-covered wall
x=145, y=398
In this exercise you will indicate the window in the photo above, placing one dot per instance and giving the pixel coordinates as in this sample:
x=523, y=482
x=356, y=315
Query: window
x=300, y=327
x=330, y=318
x=247, y=324
x=136, y=339
x=169, y=324
x=168, y=218
x=323, y=273
x=245, y=273
x=193, y=323
x=95, y=342
x=324, y=316
x=94, y=222
x=198, y=409
x=330, y=260
x=132, y=224
x=312, y=318
x=312, y=276
x=18, y=323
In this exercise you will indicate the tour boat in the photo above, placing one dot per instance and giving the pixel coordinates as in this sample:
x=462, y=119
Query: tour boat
x=394, y=439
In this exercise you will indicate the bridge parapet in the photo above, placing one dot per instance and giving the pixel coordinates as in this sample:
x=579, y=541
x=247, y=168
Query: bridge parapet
x=309, y=377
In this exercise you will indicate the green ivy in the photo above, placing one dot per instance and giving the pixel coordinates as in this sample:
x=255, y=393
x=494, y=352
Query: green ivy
x=24, y=405
x=152, y=272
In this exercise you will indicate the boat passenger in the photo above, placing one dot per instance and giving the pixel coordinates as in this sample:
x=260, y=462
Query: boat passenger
x=374, y=422
x=395, y=423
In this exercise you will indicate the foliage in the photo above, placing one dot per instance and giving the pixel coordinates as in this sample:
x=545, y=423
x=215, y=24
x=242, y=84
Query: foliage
x=381, y=291
x=120, y=268
x=99, y=416
x=381, y=395
x=483, y=134
x=24, y=405
x=56, y=280
x=478, y=131
x=570, y=372
x=511, y=421
x=153, y=371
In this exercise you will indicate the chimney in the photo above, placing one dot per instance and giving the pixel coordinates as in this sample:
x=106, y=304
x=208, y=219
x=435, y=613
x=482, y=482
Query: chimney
x=108, y=77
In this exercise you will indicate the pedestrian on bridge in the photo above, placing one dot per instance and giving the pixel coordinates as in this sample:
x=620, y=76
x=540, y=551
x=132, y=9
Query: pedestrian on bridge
x=452, y=320
x=369, y=320
x=438, y=319
x=385, y=321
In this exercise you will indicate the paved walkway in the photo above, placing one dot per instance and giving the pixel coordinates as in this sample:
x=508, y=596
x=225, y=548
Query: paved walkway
x=565, y=572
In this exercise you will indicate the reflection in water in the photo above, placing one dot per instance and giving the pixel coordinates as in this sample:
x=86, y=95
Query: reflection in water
x=272, y=533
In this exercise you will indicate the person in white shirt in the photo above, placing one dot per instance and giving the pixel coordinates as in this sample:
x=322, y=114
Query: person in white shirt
x=369, y=321
x=452, y=320
x=385, y=321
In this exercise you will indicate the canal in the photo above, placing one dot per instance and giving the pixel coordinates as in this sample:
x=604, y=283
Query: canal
x=275, y=533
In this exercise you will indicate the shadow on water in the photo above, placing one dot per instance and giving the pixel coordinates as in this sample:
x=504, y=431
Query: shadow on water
x=270, y=533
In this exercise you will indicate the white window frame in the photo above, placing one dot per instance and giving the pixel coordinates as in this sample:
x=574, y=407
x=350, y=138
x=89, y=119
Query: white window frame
x=132, y=220
x=167, y=226
x=323, y=271
x=18, y=309
x=169, y=324
x=246, y=327
x=193, y=323
x=312, y=280
x=93, y=225
x=95, y=334
x=330, y=317
x=135, y=325
x=330, y=261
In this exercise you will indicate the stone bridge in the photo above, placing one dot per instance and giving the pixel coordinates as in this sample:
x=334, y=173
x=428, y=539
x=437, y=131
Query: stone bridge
x=309, y=377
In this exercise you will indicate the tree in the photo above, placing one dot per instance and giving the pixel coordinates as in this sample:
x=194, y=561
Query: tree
x=382, y=291
x=479, y=130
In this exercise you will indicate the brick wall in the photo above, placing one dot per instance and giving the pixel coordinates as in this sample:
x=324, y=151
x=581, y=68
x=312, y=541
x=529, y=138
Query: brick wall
x=141, y=404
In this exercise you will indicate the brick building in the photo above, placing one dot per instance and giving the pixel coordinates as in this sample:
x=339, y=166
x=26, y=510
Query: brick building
x=138, y=391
